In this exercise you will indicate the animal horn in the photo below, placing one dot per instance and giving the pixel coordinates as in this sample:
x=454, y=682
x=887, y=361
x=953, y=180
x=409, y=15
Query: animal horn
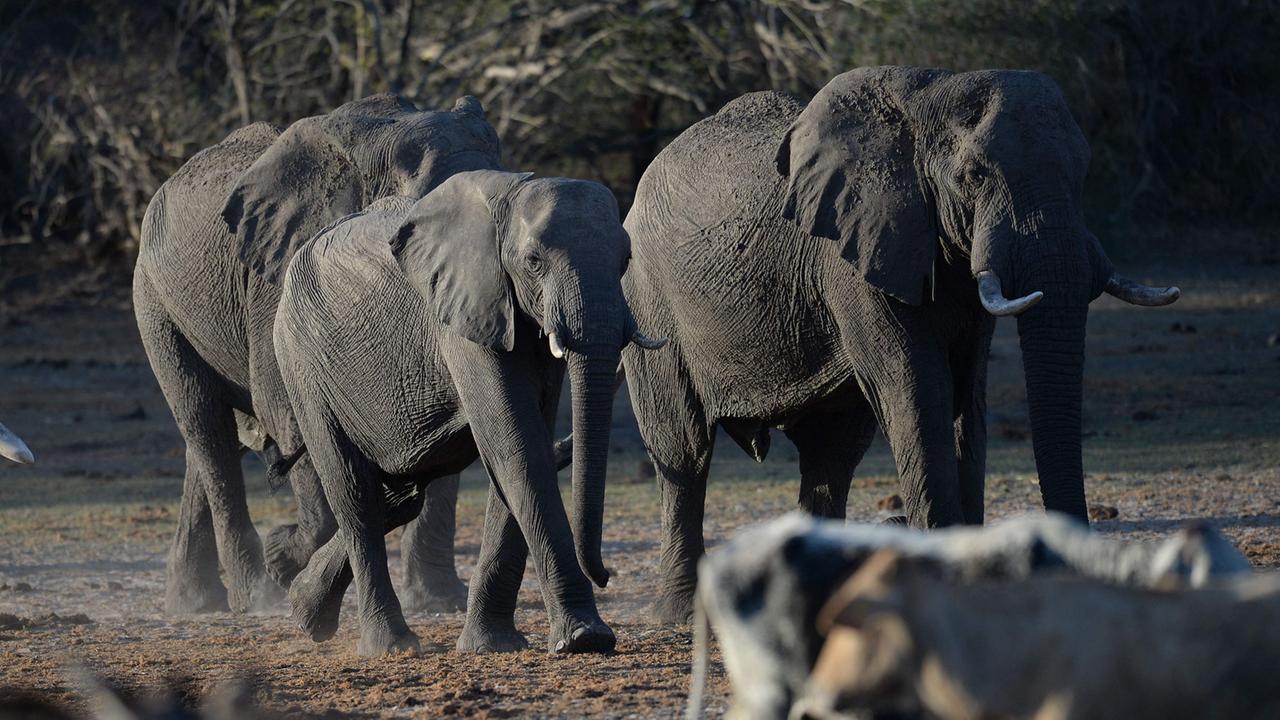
x=1135, y=293
x=996, y=303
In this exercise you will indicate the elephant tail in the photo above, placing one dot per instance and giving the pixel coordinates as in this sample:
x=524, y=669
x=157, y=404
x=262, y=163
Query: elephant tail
x=279, y=464
x=562, y=449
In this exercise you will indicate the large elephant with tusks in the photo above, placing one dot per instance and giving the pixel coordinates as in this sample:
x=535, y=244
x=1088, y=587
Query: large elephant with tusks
x=828, y=268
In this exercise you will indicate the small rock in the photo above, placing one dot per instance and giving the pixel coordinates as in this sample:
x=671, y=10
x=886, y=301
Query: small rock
x=11, y=622
x=22, y=587
x=1103, y=512
x=113, y=585
x=1273, y=340
x=1144, y=416
x=893, y=502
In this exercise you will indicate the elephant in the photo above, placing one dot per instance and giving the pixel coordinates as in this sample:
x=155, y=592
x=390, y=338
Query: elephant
x=410, y=342
x=216, y=240
x=12, y=447
x=828, y=268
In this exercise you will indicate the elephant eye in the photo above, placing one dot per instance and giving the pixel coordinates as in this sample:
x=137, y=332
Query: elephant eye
x=972, y=176
x=626, y=263
x=534, y=262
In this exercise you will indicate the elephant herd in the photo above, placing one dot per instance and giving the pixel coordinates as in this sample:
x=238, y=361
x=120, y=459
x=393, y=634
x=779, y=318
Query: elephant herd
x=371, y=301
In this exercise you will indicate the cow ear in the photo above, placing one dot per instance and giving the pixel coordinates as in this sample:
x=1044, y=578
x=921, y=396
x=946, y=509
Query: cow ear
x=449, y=247
x=852, y=176
x=302, y=183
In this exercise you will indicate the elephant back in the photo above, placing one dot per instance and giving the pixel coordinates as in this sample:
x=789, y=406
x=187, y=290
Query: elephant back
x=718, y=166
x=190, y=258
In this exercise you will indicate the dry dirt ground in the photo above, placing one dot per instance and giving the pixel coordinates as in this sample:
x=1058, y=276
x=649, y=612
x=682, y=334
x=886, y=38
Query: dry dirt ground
x=1182, y=421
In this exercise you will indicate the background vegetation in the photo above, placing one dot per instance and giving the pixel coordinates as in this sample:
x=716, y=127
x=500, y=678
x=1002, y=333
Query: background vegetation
x=103, y=99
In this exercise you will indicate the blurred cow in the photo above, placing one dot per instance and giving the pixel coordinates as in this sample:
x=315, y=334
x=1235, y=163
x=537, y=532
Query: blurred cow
x=901, y=637
x=762, y=591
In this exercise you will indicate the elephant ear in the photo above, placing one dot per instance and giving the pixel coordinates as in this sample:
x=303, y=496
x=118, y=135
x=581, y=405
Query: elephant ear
x=849, y=158
x=303, y=182
x=448, y=247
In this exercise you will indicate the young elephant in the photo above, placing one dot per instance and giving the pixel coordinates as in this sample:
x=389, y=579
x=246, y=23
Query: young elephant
x=411, y=341
x=900, y=637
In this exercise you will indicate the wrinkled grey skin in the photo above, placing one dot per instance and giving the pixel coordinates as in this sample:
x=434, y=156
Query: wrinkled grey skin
x=762, y=591
x=216, y=239
x=411, y=341
x=814, y=268
x=12, y=447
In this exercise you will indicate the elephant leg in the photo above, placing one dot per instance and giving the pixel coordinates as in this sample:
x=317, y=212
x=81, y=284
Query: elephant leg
x=971, y=431
x=192, y=584
x=914, y=406
x=680, y=442
x=905, y=373
x=430, y=580
x=289, y=547
x=214, y=511
x=315, y=595
x=355, y=491
x=831, y=445
x=509, y=427
x=495, y=586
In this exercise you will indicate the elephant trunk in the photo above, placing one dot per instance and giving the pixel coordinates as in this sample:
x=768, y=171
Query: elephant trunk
x=1052, y=336
x=591, y=379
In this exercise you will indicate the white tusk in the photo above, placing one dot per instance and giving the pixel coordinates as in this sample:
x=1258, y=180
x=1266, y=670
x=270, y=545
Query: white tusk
x=996, y=303
x=557, y=347
x=647, y=342
x=1136, y=293
x=12, y=447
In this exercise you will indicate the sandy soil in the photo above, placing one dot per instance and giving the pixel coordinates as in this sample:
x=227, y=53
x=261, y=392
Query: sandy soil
x=1182, y=421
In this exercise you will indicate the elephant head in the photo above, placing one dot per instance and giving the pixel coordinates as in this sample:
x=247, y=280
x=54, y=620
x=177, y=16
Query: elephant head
x=900, y=165
x=12, y=447
x=487, y=245
x=326, y=167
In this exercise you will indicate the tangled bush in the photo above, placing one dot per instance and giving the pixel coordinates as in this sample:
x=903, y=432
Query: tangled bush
x=105, y=98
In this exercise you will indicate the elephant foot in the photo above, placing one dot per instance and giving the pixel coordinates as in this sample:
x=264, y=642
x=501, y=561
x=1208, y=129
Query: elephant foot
x=588, y=634
x=285, y=555
x=315, y=613
x=377, y=638
x=188, y=595
x=491, y=637
x=439, y=592
x=672, y=608
x=315, y=595
x=245, y=575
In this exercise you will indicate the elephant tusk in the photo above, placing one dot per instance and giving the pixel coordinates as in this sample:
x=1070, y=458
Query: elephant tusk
x=557, y=347
x=996, y=303
x=647, y=342
x=12, y=447
x=1136, y=293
